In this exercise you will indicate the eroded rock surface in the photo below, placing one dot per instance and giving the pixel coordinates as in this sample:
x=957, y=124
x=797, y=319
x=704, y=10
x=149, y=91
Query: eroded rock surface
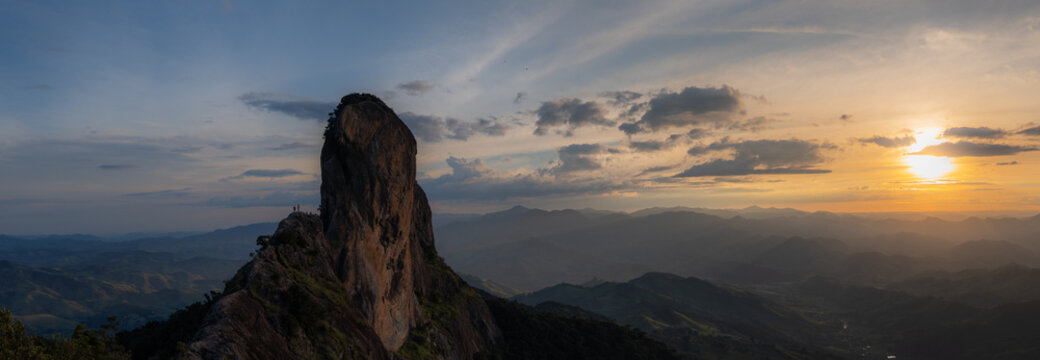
x=363, y=280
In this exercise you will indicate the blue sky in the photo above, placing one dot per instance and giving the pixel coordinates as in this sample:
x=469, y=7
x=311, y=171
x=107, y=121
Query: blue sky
x=173, y=115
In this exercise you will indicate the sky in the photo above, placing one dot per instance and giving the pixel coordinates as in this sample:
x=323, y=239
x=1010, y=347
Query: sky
x=192, y=115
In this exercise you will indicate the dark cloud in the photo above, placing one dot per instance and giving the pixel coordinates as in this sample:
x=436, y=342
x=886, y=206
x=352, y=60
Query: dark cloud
x=1034, y=131
x=117, y=167
x=974, y=132
x=292, y=146
x=791, y=156
x=655, y=169
x=432, y=128
x=171, y=193
x=578, y=157
x=264, y=173
x=570, y=113
x=415, y=87
x=646, y=146
x=889, y=142
x=692, y=106
x=298, y=108
x=1007, y=163
x=278, y=198
x=965, y=148
x=520, y=96
x=697, y=133
x=845, y=117
x=620, y=98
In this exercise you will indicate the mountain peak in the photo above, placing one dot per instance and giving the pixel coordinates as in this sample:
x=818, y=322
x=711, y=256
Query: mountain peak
x=366, y=268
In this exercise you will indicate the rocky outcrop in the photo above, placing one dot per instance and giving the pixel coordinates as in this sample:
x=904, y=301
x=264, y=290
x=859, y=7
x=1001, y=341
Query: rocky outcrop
x=363, y=280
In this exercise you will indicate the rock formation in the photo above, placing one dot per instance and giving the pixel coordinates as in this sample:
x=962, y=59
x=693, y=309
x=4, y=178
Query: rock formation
x=363, y=280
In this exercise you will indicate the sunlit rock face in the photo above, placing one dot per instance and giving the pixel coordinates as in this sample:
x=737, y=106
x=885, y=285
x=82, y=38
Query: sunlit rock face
x=363, y=279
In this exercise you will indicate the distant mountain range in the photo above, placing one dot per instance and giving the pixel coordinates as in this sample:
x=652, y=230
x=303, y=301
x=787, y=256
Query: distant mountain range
x=52, y=283
x=528, y=249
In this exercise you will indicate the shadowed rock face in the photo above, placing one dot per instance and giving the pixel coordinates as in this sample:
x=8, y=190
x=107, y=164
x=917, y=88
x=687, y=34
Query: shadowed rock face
x=361, y=281
x=369, y=200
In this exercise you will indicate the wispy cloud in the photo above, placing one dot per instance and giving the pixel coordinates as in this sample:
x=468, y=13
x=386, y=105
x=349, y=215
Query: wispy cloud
x=791, y=156
x=889, y=142
x=965, y=148
x=117, y=167
x=415, y=87
x=303, y=109
x=264, y=173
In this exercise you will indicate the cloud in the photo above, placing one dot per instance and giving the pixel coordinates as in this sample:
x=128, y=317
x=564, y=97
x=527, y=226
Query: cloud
x=463, y=170
x=964, y=148
x=647, y=146
x=473, y=180
x=433, y=129
x=463, y=130
x=520, y=96
x=754, y=124
x=791, y=156
x=657, y=169
x=578, y=157
x=620, y=98
x=277, y=198
x=429, y=128
x=170, y=193
x=415, y=87
x=264, y=173
x=693, y=106
x=1034, y=131
x=974, y=132
x=889, y=142
x=656, y=145
x=299, y=108
x=117, y=167
x=292, y=146
x=1007, y=163
x=571, y=113
x=845, y=117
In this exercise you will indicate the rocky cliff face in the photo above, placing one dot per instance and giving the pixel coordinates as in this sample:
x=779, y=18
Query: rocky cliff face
x=363, y=280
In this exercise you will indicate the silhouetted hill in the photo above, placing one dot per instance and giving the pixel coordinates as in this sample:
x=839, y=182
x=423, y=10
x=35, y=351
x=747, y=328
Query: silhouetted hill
x=913, y=327
x=978, y=287
x=730, y=246
x=701, y=319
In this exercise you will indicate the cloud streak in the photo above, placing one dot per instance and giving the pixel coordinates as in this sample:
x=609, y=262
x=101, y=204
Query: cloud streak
x=974, y=133
x=433, y=129
x=756, y=157
x=264, y=173
x=415, y=87
x=297, y=108
x=972, y=149
x=889, y=142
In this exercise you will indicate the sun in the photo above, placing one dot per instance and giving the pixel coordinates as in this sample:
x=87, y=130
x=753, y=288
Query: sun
x=927, y=166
